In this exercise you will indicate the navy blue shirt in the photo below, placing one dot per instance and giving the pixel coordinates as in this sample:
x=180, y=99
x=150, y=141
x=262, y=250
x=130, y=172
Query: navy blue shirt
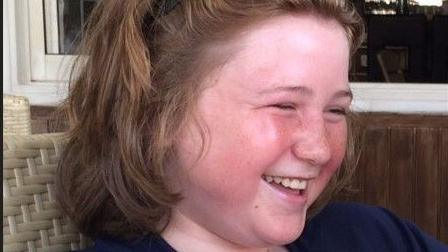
x=338, y=227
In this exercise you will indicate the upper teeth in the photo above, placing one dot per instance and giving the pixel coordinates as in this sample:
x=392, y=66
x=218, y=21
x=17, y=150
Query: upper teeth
x=292, y=183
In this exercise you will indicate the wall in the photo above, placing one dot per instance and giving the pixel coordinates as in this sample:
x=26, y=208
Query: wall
x=404, y=167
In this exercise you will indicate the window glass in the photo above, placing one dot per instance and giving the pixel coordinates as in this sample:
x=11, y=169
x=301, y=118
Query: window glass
x=407, y=41
x=64, y=21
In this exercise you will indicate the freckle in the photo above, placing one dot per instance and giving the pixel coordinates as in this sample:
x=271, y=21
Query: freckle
x=256, y=206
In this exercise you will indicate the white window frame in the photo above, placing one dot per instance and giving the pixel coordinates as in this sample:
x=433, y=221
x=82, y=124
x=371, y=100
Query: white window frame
x=43, y=78
x=30, y=71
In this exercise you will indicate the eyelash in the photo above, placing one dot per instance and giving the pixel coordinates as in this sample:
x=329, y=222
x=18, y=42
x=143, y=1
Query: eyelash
x=339, y=111
x=284, y=106
x=287, y=106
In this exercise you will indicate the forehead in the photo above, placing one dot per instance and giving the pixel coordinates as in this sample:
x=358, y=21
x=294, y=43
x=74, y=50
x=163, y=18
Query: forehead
x=300, y=36
x=292, y=48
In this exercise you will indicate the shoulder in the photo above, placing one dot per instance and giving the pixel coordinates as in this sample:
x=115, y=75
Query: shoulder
x=359, y=227
x=356, y=215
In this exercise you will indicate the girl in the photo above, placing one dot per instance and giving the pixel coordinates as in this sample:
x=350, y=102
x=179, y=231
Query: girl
x=218, y=125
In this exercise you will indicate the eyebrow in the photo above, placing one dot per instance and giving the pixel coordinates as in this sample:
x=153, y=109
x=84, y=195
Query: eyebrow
x=295, y=89
x=346, y=93
x=343, y=94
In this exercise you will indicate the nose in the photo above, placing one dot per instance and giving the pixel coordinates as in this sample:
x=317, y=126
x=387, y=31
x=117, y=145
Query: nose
x=312, y=143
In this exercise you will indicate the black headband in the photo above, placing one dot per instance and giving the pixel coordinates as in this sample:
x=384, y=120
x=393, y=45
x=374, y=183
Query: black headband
x=162, y=8
x=167, y=7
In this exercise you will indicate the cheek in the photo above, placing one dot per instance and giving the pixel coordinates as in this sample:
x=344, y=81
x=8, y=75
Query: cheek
x=337, y=140
x=235, y=158
x=219, y=171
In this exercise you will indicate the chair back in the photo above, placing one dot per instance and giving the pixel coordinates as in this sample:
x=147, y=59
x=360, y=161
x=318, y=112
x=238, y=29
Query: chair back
x=32, y=220
x=16, y=115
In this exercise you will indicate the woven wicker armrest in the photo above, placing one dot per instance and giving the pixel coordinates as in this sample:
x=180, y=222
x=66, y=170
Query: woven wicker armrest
x=32, y=220
x=16, y=115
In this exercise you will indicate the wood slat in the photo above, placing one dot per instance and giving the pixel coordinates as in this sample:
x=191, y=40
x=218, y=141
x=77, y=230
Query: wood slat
x=443, y=178
x=375, y=119
x=375, y=165
x=45, y=120
x=354, y=192
x=426, y=194
x=401, y=171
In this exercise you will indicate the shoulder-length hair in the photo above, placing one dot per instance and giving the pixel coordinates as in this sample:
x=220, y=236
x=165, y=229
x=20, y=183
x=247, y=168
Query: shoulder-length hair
x=133, y=87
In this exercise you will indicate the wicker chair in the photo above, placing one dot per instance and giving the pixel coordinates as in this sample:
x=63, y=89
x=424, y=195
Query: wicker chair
x=16, y=115
x=31, y=218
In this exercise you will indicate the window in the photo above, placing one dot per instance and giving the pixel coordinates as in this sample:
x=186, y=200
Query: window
x=55, y=29
x=406, y=42
x=64, y=20
x=39, y=37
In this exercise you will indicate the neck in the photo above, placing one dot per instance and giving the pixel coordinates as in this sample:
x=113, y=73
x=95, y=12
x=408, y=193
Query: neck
x=183, y=234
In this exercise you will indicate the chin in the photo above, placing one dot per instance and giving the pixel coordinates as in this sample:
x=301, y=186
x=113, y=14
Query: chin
x=283, y=234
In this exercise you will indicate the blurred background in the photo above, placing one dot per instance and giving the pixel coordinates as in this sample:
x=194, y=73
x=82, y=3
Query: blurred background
x=407, y=42
x=407, y=39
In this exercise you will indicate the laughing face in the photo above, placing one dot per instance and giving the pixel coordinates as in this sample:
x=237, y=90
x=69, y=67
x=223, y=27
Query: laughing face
x=275, y=130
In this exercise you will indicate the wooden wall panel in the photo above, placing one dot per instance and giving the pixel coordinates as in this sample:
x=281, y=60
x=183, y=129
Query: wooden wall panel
x=357, y=187
x=403, y=166
x=375, y=160
x=426, y=196
x=443, y=178
x=401, y=171
x=44, y=119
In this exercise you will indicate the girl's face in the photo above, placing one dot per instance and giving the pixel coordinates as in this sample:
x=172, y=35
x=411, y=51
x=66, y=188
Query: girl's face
x=273, y=117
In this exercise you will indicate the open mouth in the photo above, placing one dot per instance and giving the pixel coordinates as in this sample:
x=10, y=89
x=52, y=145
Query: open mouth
x=294, y=185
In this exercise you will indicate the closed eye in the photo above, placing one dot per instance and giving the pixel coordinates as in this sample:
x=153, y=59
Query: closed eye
x=338, y=111
x=284, y=106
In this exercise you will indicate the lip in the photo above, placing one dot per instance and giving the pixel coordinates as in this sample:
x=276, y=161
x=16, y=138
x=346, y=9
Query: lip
x=307, y=177
x=289, y=198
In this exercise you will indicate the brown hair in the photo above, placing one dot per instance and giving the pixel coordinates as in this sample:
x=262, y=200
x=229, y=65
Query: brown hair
x=133, y=87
